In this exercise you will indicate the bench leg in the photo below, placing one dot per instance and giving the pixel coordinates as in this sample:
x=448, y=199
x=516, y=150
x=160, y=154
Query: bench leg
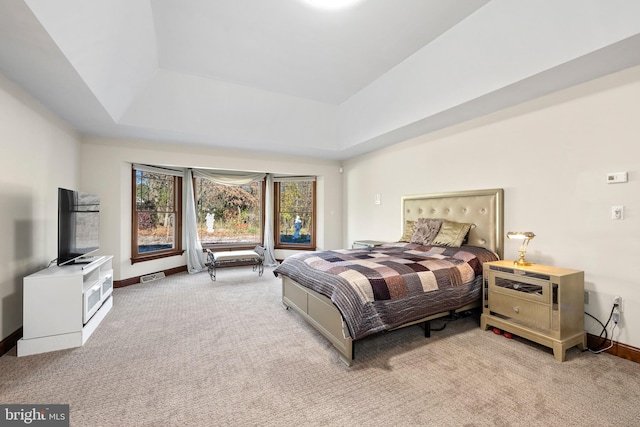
x=258, y=266
x=212, y=271
x=211, y=268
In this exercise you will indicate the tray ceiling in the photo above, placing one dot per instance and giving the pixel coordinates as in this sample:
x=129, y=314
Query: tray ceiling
x=284, y=77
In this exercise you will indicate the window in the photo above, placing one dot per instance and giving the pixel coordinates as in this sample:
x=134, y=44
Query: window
x=157, y=215
x=229, y=215
x=295, y=207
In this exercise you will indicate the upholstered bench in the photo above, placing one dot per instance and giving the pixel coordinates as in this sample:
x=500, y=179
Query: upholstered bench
x=219, y=259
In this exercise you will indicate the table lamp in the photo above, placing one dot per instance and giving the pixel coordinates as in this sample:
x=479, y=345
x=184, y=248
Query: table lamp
x=525, y=236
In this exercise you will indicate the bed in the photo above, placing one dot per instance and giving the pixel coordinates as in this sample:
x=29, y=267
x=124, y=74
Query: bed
x=349, y=294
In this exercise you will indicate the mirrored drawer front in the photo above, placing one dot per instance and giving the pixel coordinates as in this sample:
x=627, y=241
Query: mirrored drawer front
x=531, y=289
x=521, y=273
x=522, y=310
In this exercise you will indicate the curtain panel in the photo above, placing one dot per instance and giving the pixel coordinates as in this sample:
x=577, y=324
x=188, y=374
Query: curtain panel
x=228, y=177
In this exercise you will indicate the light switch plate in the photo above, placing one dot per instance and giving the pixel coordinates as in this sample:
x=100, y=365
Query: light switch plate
x=617, y=212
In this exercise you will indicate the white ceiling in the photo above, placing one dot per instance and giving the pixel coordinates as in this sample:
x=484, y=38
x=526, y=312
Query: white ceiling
x=290, y=48
x=282, y=76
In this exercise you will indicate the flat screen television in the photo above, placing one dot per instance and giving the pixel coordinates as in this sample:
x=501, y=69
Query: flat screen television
x=78, y=225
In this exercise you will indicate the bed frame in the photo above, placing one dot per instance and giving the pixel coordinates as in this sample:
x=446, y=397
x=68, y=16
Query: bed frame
x=483, y=208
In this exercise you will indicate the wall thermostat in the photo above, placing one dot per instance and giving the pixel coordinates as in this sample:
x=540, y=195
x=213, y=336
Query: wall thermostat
x=617, y=177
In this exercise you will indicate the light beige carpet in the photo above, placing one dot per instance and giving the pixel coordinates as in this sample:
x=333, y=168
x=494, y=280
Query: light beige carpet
x=188, y=351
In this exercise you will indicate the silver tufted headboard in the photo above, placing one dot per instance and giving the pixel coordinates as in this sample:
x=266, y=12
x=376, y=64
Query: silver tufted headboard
x=483, y=208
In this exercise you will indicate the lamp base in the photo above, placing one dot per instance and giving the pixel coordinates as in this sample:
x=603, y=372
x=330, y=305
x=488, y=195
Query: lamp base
x=521, y=262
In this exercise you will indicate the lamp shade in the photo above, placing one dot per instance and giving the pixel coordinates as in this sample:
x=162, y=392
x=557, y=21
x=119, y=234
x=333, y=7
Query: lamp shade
x=520, y=235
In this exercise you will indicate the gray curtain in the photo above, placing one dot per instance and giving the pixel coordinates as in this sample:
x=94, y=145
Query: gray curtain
x=228, y=177
x=195, y=256
x=269, y=256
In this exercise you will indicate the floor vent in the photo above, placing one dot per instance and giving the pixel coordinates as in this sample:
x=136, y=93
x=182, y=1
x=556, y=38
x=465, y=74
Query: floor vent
x=151, y=277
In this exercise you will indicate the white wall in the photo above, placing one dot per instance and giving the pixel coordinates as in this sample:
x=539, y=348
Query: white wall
x=569, y=139
x=106, y=171
x=551, y=156
x=38, y=154
x=490, y=61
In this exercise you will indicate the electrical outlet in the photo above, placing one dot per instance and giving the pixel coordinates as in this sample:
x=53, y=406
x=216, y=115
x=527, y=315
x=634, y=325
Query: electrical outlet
x=617, y=309
x=586, y=297
x=618, y=301
x=615, y=316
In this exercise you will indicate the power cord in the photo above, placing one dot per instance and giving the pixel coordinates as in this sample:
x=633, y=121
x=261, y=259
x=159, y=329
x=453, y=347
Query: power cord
x=616, y=313
x=610, y=342
x=613, y=315
x=604, y=330
x=450, y=318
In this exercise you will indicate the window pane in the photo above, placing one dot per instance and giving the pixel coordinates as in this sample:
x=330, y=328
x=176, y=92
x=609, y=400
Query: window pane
x=155, y=211
x=229, y=214
x=155, y=232
x=154, y=192
x=295, y=221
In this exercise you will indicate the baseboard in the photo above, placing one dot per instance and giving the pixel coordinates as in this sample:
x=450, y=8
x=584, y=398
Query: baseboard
x=136, y=279
x=9, y=342
x=621, y=350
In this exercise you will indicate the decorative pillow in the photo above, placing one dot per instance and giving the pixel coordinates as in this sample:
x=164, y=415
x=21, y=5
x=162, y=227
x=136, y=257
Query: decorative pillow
x=426, y=230
x=452, y=234
x=409, y=227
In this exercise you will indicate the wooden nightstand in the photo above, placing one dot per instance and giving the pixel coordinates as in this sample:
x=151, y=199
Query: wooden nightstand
x=538, y=302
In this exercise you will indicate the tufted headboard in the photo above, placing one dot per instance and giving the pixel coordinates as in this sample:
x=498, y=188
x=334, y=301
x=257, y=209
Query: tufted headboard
x=483, y=208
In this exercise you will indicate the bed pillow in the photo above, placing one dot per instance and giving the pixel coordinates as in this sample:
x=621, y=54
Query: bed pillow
x=409, y=227
x=452, y=234
x=426, y=229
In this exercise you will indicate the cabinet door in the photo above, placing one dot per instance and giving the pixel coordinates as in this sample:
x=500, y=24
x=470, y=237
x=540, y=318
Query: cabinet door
x=107, y=285
x=91, y=301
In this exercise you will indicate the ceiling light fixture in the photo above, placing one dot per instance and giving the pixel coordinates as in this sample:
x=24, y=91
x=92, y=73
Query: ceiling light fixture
x=332, y=4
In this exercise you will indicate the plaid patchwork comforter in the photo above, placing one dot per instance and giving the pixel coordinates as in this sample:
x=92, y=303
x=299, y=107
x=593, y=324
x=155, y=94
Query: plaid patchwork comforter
x=382, y=288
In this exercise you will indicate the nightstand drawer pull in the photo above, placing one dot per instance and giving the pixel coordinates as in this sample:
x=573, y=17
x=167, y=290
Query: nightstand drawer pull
x=516, y=309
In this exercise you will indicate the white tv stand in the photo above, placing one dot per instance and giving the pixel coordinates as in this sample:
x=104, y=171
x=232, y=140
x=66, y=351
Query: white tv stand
x=63, y=305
